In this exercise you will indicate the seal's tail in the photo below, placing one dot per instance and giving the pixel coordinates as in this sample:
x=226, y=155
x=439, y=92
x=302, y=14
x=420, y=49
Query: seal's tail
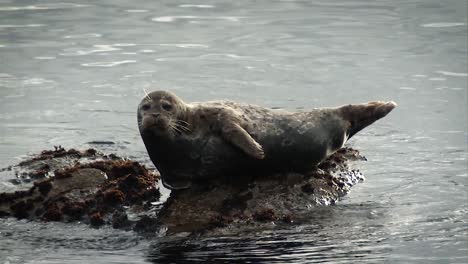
x=362, y=115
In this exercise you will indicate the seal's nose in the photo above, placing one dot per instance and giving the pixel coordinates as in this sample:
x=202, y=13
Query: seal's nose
x=155, y=114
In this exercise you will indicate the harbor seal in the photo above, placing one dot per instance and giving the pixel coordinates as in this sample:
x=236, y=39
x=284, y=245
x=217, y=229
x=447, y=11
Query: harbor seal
x=195, y=142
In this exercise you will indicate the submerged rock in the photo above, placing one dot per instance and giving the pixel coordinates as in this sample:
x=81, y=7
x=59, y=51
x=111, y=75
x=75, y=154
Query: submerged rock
x=98, y=189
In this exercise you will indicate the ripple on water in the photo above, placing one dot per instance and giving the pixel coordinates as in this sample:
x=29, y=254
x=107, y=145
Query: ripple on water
x=184, y=45
x=437, y=79
x=442, y=25
x=10, y=82
x=167, y=19
x=196, y=6
x=455, y=74
x=94, y=49
x=227, y=55
x=22, y=26
x=37, y=81
x=42, y=7
x=124, y=44
x=64, y=235
x=136, y=10
x=44, y=58
x=107, y=64
x=407, y=88
x=83, y=36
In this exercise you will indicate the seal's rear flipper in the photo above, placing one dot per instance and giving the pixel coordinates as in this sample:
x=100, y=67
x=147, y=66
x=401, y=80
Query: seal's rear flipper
x=362, y=115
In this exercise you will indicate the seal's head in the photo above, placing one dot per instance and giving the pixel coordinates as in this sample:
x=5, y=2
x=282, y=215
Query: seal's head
x=162, y=113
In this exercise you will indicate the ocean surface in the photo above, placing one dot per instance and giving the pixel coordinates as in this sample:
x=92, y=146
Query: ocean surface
x=73, y=73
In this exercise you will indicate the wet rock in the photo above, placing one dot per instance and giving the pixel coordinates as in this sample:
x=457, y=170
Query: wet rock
x=265, y=215
x=114, y=197
x=146, y=225
x=44, y=187
x=52, y=213
x=276, y=198
x=120, y=220
x=21, y=209
x=96, y=219
x=88, y=186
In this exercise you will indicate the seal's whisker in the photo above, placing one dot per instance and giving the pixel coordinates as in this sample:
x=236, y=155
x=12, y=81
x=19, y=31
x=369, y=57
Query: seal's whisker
x=174, y=128
x=146, y=93
x=182, y=121
x=171, y=128
x=182, y=127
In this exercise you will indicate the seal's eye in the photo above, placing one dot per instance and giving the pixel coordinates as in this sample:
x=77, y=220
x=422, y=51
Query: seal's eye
x=167, y=106
x=145, y=107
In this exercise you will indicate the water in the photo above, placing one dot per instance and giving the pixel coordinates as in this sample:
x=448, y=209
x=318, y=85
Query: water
x=73, y=73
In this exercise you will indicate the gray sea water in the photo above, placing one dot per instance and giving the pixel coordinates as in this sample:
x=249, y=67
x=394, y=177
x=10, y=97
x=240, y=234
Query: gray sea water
x=73, y=73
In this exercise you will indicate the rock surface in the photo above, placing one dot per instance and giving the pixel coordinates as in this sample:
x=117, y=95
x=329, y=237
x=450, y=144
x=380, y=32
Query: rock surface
x=281, y=197
x=83, y=186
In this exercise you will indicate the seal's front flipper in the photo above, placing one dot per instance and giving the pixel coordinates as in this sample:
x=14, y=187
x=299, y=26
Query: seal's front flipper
x=362, y=115
x=234, y=133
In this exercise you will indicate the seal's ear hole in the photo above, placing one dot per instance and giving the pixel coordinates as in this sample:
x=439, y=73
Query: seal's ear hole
x=166, y=106
x=145, y=107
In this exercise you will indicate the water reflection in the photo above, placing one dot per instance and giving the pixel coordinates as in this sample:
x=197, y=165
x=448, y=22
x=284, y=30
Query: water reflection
x=340, y=234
